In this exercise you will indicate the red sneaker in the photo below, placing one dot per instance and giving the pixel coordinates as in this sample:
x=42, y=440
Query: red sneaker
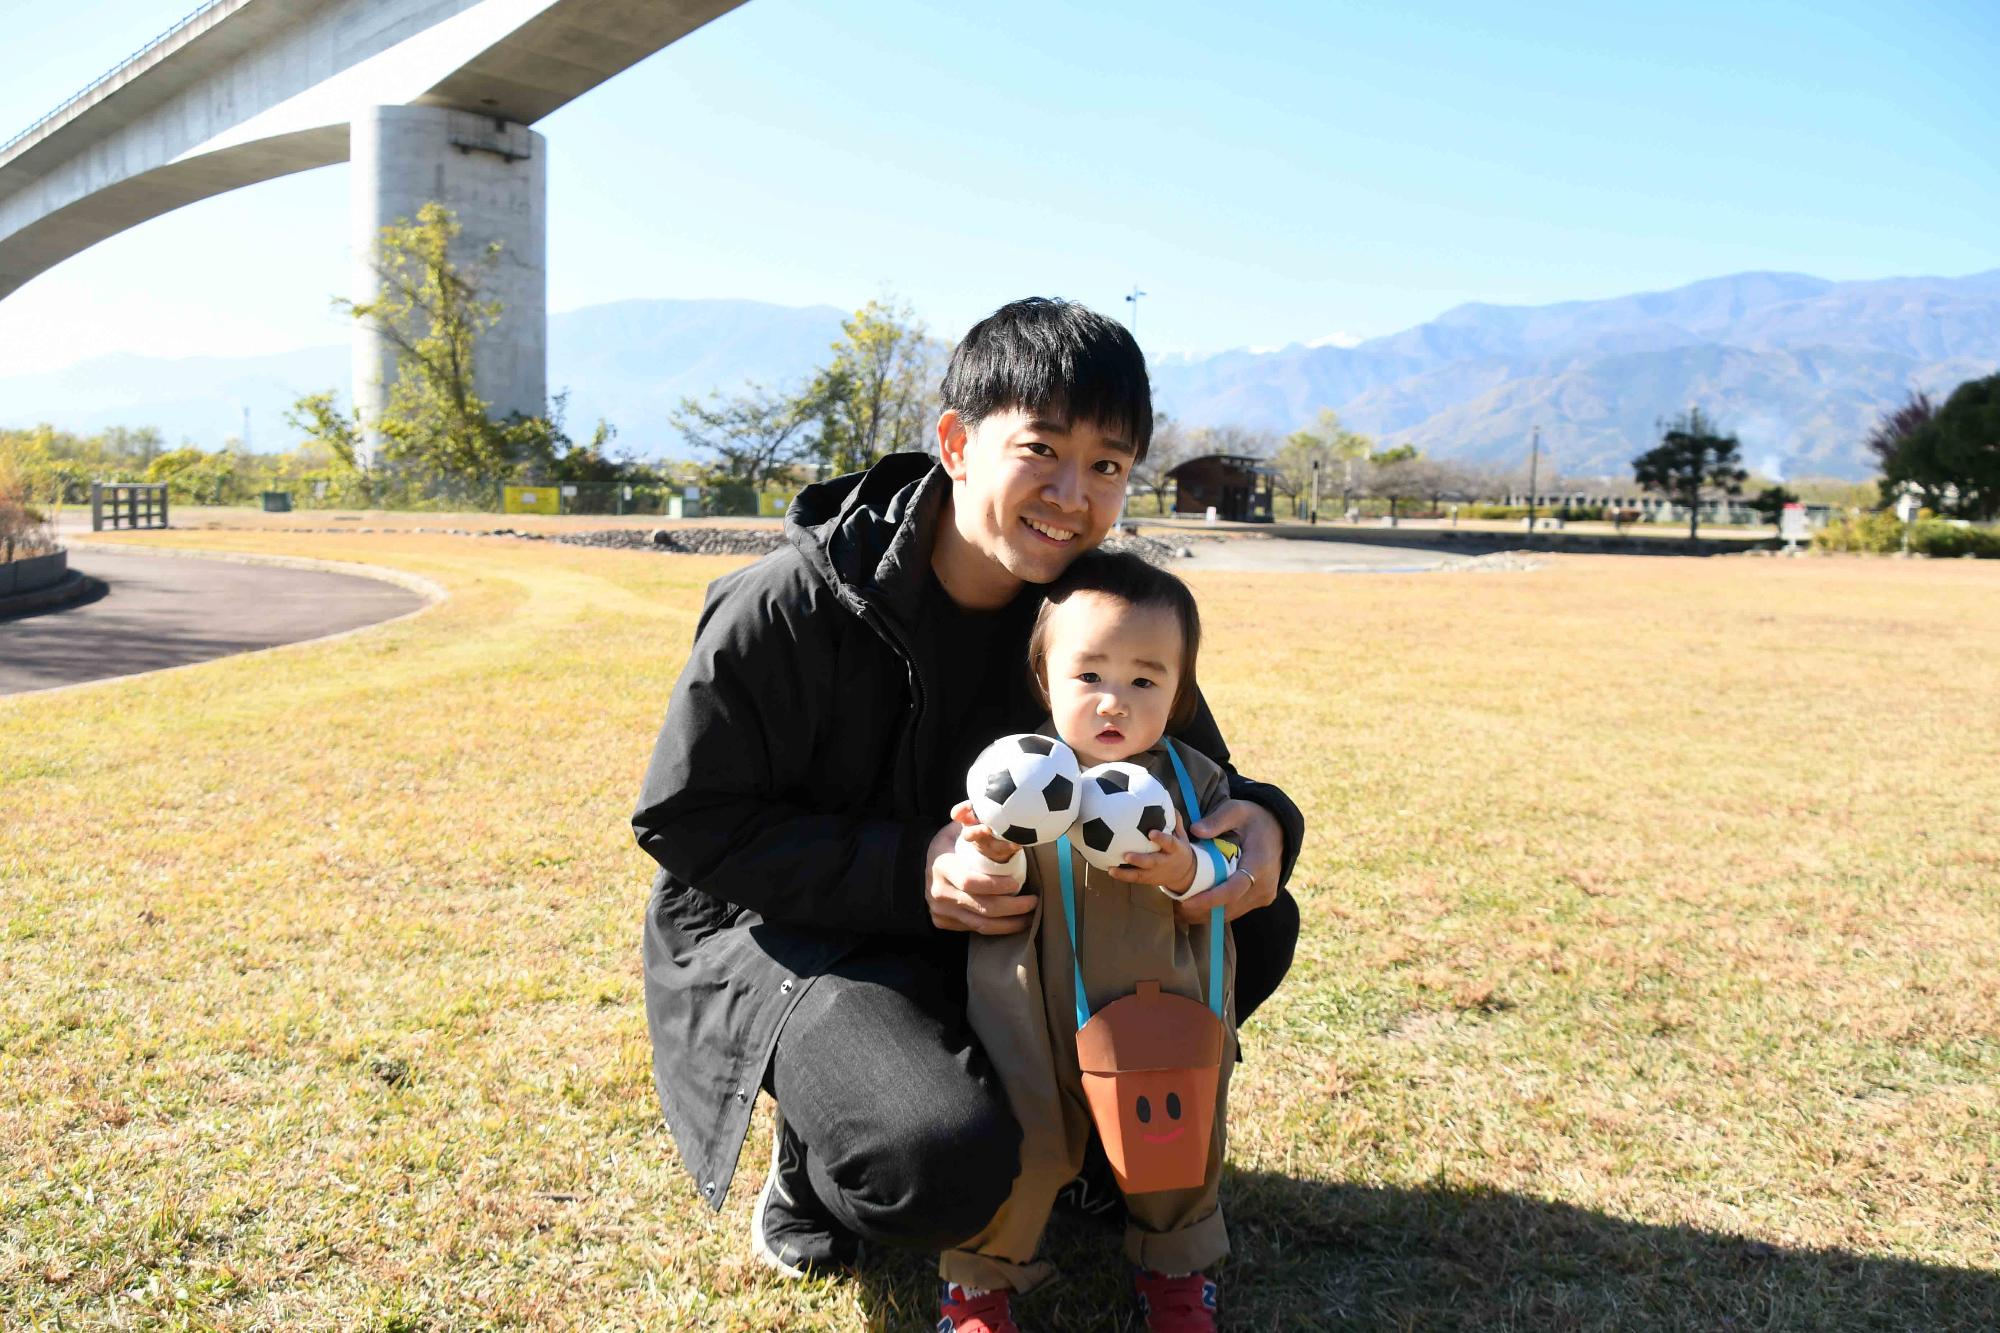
x=1183, y=1303
x=987, y=1312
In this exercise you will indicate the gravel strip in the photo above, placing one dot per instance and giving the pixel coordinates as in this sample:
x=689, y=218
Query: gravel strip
x=709, y=541
x=1499, y=562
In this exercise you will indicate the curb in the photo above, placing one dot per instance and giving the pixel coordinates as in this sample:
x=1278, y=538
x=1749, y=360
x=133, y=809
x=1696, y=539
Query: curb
x=434, y=595
x=73, y=588
x=415, y=583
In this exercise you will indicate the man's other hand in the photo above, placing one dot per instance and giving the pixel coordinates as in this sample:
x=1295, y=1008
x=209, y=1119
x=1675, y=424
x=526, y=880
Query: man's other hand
x=962, y=898
x=1255, y=881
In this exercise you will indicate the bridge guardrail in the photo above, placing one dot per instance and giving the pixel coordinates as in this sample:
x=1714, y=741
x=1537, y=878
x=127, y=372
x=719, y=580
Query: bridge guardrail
x=105, y=78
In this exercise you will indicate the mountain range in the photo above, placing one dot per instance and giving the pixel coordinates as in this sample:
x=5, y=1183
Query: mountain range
x=1797, y=367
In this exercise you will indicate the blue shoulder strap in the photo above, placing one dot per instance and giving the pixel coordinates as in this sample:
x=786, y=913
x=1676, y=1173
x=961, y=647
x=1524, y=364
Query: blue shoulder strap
x=1216, y=925
x=1069, y=919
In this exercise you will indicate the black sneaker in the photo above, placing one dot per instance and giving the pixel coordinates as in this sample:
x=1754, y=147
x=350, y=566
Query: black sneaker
x=790, y=1229
x=1094, y=1194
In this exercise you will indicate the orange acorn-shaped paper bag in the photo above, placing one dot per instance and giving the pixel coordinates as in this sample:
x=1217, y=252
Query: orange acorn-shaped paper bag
x=1150, y=1065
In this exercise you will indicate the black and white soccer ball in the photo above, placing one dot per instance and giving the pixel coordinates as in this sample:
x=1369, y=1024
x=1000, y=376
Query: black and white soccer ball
x=1024, y=788
x=1122, y=803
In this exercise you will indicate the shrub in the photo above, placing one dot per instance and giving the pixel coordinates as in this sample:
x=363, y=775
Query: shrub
x=1879, y=533
x=732, y=499
x=1946, y=541
x=23, y=531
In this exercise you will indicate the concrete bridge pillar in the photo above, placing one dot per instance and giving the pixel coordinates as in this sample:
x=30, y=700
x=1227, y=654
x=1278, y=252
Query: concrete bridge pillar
x=492, y=174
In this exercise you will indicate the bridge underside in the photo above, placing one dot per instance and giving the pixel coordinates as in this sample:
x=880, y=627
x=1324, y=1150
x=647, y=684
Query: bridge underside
x=431, y=98
x=74, y=228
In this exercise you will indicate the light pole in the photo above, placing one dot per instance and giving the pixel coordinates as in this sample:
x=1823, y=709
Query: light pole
x=1315, y=503
x=1132, y=299
x=1534, y=461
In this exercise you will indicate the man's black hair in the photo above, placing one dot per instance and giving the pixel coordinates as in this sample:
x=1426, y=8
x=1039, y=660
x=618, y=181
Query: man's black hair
x=1054, y=359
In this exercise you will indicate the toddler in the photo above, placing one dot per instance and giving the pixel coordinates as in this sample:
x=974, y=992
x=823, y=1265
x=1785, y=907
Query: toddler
x=1113, y=656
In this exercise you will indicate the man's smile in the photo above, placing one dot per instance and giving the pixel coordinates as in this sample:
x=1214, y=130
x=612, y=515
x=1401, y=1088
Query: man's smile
x=1060, y=536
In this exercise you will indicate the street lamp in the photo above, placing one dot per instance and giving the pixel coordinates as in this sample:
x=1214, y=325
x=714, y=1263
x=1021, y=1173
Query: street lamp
x=1534, y=462
x=1132, y=299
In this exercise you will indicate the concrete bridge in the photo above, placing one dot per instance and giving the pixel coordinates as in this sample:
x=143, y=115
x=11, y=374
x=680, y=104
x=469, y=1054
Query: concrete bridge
x=430, y=100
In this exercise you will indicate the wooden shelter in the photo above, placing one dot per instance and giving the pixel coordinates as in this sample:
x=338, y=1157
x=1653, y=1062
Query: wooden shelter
x=1238, y=486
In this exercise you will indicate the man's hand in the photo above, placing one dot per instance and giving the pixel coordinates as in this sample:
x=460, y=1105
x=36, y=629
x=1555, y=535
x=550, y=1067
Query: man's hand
x=1255, y=881
x=962, y=898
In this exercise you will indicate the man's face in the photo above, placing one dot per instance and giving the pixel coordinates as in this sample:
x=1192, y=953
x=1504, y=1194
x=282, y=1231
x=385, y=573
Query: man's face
x=1033, y=494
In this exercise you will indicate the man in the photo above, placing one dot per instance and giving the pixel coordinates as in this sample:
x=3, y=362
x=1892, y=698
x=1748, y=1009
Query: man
x=806, y=931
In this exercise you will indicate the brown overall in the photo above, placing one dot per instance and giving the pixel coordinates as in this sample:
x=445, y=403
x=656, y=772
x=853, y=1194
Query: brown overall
x=1022, y=1005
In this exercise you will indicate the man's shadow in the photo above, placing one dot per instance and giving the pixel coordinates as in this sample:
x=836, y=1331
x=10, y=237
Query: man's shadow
x=1313, y=1255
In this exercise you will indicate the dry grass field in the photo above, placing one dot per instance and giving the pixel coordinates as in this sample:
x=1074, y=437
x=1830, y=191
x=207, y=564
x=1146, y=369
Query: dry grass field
x=1650, y=976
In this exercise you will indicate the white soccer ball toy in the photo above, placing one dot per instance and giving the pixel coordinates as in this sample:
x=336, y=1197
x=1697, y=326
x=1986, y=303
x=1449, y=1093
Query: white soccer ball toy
x=1122, y=803
x=1024, y=788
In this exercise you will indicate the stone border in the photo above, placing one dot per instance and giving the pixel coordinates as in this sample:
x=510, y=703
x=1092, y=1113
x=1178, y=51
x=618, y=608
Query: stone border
x=68, y=591
x=32, y=573
x=434, y=595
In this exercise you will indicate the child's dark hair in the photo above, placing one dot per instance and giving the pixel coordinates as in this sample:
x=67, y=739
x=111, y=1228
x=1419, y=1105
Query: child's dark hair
x=1053, y=359
x=1131, y=580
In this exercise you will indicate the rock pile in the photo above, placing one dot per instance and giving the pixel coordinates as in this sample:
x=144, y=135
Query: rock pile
x=681, y=541
x=710, y=541
x=1500, y=562
x=1150, y=549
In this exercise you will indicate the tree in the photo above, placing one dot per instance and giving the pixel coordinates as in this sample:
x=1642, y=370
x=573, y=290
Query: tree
x=1771, y=502
x=1292, y=467
x=1341, y=445
x=879, y=393
x=1691, y=458
x=1897, y=425
x=1172, y=445
x=326, y=427
x=753, y=436
x=1237, y=441
x=433, y=310
x=1396, y=474
x=1953, y=459
x=1325, y=442
x=21, y=525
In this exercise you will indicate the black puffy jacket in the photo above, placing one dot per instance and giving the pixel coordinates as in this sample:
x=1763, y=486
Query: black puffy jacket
x=783, y=800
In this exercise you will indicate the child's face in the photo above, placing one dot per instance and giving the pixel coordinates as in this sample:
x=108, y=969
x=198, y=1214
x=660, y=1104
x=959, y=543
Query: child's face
x=1113, y=670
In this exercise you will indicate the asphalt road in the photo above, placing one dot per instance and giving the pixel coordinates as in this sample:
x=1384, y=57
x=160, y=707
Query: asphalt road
x=164, y=611
x=1281, y=555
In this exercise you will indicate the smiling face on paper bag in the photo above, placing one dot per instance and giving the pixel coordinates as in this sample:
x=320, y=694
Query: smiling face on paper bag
x=1150, y=1066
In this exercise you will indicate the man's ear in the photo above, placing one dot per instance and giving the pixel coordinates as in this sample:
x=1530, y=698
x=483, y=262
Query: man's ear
x=952, y=441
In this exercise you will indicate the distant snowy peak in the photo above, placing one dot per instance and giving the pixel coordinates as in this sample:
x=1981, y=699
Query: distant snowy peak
x=1799, y=365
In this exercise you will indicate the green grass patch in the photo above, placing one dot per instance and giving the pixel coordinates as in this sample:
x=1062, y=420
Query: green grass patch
x=1650, y=975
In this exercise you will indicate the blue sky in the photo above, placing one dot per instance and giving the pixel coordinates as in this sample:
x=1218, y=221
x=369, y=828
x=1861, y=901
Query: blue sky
x=1268, y=171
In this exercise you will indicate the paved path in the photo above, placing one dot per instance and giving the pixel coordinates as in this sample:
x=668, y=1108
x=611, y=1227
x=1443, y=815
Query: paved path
x=164, y=611
x=1280, y=555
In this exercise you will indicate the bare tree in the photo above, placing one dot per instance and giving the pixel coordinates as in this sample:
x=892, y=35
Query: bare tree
x=752, y=437
x=1239, y=441
x=1172, y=445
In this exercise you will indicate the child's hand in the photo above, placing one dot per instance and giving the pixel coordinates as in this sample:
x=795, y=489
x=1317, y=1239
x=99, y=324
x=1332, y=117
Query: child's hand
x=983, y=839
x=1171, y=868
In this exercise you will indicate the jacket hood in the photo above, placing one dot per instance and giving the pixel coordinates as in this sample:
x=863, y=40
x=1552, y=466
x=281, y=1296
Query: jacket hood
x=868, y=535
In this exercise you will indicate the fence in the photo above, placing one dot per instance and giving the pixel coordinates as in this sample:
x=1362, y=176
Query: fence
x=611, y=499
x=127, y=505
